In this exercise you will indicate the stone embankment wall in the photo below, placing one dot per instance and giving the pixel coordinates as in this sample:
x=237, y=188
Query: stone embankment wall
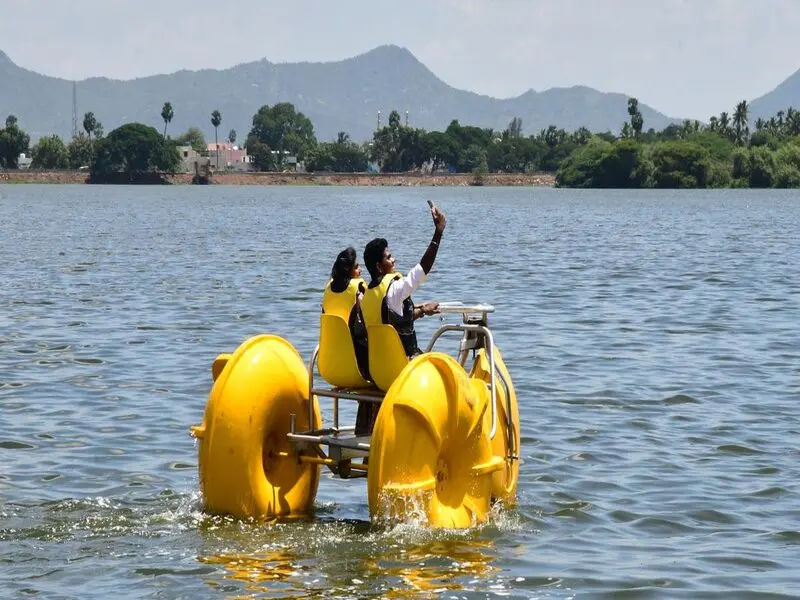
x=361, y=179
x=43, y=176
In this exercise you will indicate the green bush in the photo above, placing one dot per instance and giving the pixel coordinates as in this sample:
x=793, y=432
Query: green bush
x=600, y=164
x=582, y=168
x=740, y=167
x=786, y=176
x=719, y=174
x=763, y=138
x=761, y=167
x=679, y=164
x=787, y=166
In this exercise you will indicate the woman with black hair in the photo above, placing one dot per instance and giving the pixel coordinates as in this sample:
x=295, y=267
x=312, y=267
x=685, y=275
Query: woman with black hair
x=343, y=297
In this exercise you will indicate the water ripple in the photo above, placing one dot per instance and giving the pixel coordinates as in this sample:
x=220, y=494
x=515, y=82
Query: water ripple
x=652, y=338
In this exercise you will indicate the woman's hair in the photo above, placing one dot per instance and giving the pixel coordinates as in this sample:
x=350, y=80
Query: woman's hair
x=343, y=267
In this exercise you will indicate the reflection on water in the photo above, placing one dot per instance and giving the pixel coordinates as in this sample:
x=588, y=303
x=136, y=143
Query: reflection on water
x=263, y=572
x=391, y=568
x=431, y=569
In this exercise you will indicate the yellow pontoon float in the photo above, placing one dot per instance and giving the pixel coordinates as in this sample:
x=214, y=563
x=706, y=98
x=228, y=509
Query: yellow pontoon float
x=445, y=443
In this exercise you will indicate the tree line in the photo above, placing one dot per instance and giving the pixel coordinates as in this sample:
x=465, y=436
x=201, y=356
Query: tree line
x=49, y=152
x=721, y=153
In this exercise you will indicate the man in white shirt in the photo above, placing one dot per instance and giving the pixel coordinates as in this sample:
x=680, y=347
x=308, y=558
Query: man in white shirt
x=388, y=297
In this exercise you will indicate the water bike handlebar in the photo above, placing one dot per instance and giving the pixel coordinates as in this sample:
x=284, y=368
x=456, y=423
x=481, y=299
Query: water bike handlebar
x=462, y=308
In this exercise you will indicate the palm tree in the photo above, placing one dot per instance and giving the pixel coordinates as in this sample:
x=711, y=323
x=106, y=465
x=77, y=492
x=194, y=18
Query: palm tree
x=232, y=136
x=773, y=127
x=515, y=127
x=216, y=121
x=688, y=128
x=89, y=123
x=792, y=122
x=166, y=114
x=740, y=128
x=724, y=124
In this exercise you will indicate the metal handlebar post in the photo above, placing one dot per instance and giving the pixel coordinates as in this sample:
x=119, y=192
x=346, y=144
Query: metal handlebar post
x=464, y=348
x=311, y=387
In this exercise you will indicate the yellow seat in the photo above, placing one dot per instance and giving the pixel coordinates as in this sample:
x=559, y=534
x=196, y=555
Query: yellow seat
x=386, y=355
x=337, y=358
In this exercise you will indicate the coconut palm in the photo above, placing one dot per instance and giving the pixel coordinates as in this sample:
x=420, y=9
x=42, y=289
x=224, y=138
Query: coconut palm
x=167, y=114
x=740, y=129
x=792, y=124
x=89, y=123
x=724, y=124
x=216, y=121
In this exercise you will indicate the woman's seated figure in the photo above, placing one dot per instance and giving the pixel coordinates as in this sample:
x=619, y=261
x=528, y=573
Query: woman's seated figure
x=343, y=296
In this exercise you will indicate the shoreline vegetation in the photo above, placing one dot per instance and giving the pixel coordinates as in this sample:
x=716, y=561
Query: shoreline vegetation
x=271, y=178
x=281, y=149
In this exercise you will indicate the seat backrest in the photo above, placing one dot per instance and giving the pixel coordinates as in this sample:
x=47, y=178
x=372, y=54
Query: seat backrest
x=386, y=355
x=337, y=359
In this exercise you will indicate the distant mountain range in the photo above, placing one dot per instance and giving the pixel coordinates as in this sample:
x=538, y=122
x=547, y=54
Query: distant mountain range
x=336, y=96
x=782, y=97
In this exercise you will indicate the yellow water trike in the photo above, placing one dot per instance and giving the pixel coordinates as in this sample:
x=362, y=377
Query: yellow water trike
x=445, y=443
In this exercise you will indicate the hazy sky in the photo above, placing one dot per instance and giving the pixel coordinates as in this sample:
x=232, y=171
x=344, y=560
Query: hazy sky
x=687, y=58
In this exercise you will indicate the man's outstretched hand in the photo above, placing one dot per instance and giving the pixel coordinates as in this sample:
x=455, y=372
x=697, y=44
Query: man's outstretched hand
x=439, y=220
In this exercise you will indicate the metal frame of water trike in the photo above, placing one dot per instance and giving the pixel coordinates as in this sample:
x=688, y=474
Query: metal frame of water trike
x=343, y=445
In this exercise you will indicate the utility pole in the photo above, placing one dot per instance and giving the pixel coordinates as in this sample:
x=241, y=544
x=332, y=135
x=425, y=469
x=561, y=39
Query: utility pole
x=74, y=109
x=379, y=121
x=406, y=118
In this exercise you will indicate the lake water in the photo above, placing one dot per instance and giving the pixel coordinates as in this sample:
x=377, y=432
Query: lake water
x=653, y=338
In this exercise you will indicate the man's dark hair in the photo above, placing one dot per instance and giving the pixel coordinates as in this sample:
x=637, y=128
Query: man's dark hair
x=373, y=255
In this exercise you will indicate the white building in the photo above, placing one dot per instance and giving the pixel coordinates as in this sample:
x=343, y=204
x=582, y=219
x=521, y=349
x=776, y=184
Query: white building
x=24, y=162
